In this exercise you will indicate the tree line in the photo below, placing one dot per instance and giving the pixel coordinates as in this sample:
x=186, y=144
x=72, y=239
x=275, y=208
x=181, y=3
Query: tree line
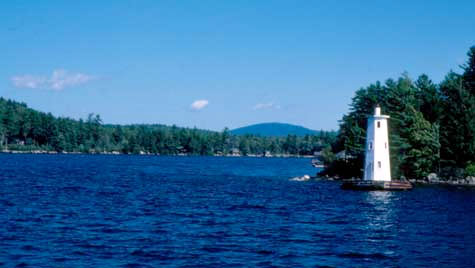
x=25, y=129
x=432, y=126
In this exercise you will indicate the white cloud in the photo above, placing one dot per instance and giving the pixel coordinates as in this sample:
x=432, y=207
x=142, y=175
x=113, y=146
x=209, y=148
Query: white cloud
x=59, y=80
x=62, y=78
x=268, y=105
x=199, y=104
x=28, y=81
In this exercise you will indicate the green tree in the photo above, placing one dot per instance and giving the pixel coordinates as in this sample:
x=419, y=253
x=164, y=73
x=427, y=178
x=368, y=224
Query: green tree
x=422, y=154
x=429, y=99
x=244, y=145
x=457, y=136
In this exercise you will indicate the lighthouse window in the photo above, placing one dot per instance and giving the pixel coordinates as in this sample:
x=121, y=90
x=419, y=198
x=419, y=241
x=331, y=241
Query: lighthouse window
x=379, y=164
x=379, y=124
x=386, y=145
x=370, y=145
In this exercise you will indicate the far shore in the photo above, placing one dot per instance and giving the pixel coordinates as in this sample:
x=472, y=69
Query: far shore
x=148, y=153
x=431, y=179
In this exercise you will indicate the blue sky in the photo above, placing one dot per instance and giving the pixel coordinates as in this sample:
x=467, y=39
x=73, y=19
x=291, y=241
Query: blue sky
x=212, y=64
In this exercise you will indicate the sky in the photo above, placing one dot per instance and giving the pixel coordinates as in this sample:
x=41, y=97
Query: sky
x=216, y=64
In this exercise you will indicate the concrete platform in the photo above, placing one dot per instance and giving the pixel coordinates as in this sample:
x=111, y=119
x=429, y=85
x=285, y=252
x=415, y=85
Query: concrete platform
x=367, y=185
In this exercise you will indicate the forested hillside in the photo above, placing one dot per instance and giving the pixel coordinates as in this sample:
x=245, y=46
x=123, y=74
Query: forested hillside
x=432, y=126
x=274, y=129
x=25, y=129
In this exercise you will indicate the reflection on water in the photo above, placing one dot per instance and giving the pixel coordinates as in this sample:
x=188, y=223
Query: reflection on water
x=380, y=197
x=381, y=210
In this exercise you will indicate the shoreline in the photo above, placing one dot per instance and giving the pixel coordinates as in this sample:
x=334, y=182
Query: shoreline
x=446, y=182
x=466, y=182
x=150, y=154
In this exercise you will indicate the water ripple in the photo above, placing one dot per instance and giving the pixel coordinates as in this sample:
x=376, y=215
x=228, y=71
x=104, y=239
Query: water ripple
x=147, y=211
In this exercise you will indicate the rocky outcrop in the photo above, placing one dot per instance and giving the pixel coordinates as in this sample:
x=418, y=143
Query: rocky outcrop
x=433, y=178
x=303, y=178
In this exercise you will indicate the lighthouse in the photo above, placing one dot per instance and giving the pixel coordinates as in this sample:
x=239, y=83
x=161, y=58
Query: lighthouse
x=377, y=166
x=377, y=169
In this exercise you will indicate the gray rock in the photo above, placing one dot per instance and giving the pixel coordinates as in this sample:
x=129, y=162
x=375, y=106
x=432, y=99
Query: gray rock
x=433, y=178
x=470, y=180
x=303, y=178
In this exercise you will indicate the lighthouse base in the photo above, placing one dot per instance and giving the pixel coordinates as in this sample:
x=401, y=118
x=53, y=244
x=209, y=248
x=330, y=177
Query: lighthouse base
x=368, y=185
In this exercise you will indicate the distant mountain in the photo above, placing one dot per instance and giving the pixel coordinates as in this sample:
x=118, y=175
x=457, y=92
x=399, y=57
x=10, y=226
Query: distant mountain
x=273, y=129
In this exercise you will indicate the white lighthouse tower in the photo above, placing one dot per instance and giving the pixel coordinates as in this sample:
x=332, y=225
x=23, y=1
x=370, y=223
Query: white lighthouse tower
x=377, y=166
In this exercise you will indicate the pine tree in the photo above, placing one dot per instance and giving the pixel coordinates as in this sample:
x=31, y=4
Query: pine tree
x=457, y=121
x=422, y=154
x=429, y=99
x=469, y=72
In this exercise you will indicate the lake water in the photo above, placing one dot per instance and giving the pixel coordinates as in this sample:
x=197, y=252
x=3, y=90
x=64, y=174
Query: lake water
x=150, y=211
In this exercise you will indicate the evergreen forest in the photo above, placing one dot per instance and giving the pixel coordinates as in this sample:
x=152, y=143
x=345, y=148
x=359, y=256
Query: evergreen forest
x=25, y=129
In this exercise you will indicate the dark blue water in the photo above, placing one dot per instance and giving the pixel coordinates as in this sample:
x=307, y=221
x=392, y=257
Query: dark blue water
x=149, y=211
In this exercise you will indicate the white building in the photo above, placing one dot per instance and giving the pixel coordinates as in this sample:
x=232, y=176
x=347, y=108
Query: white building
x=377, y=166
